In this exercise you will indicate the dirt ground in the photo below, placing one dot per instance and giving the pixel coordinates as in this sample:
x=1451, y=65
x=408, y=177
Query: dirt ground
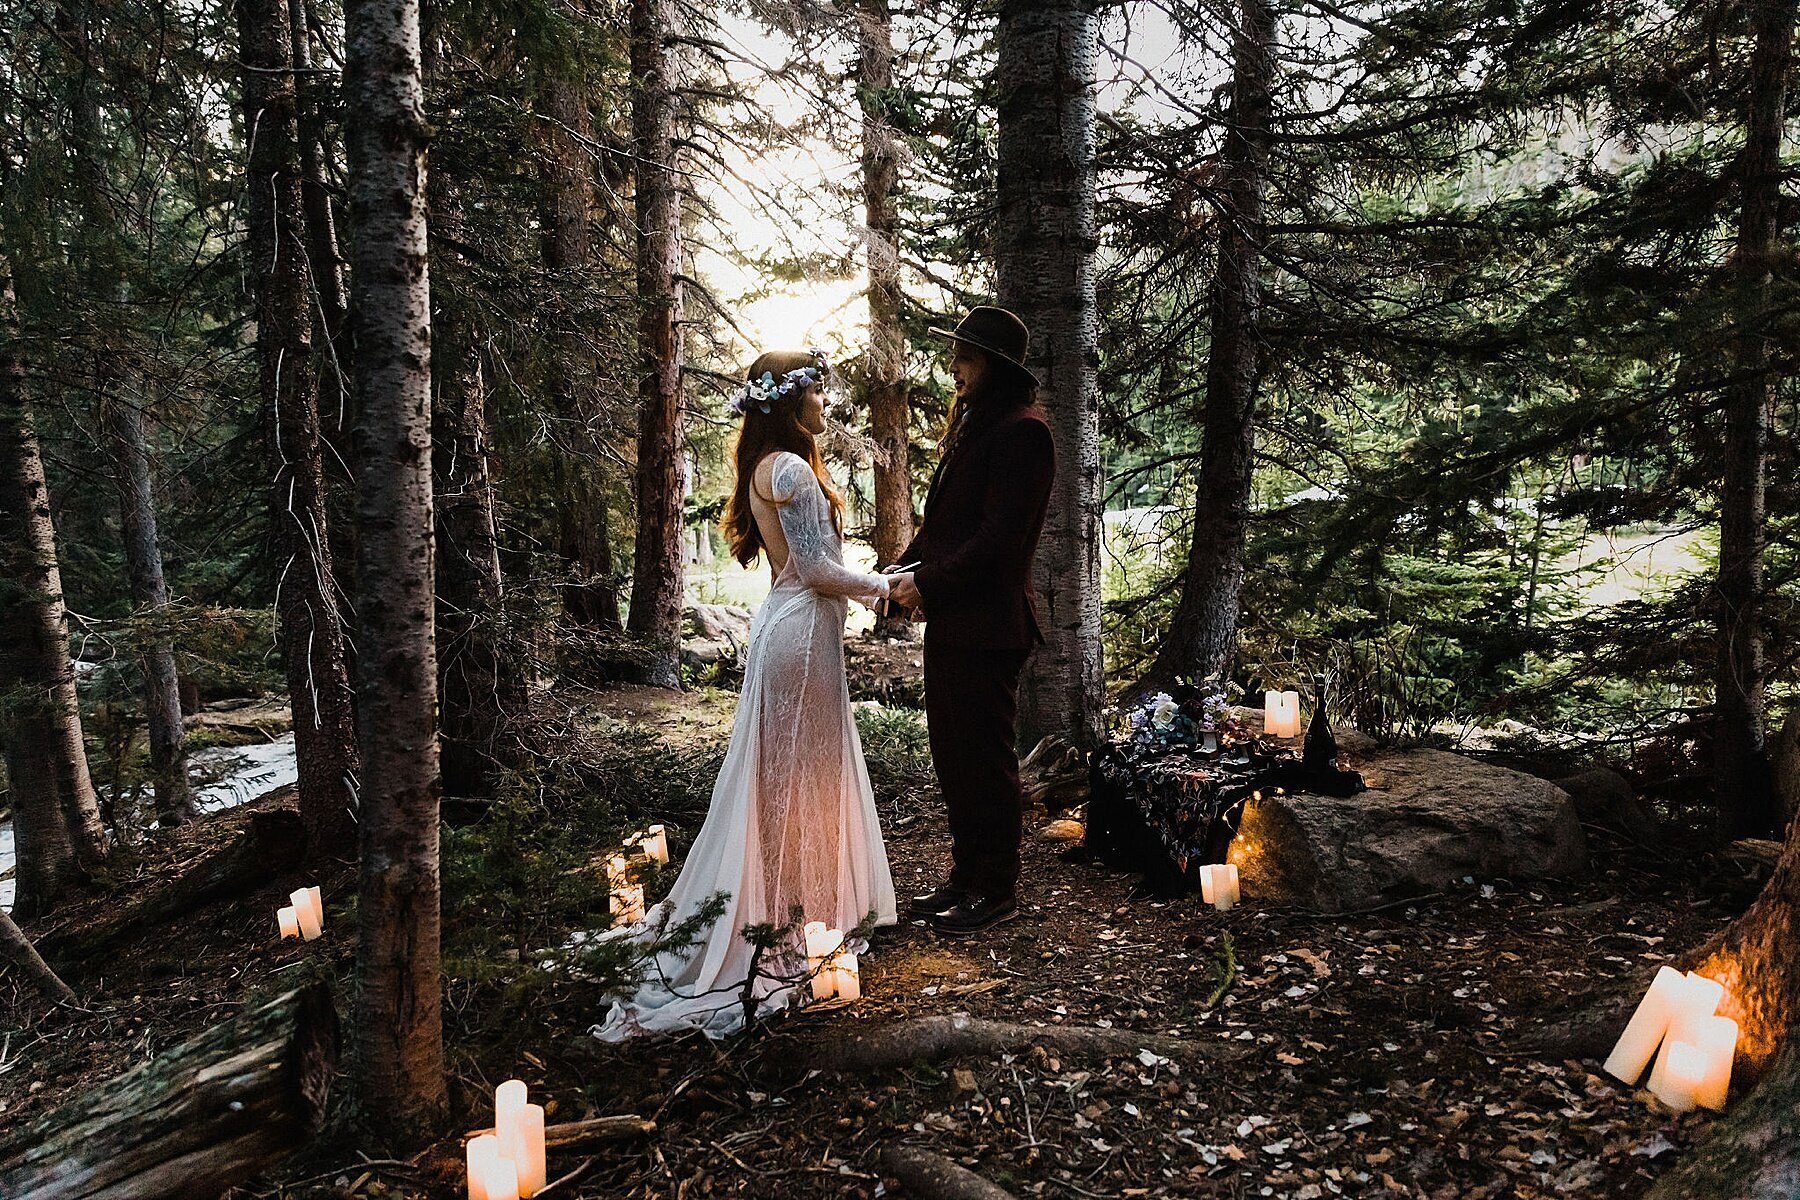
x=1383, y=1055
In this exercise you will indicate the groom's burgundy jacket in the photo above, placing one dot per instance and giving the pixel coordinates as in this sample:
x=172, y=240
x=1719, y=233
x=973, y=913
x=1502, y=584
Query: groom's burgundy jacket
x=980, y=530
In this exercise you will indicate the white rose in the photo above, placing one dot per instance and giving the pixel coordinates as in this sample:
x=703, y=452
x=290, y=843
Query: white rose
x=1164, y=713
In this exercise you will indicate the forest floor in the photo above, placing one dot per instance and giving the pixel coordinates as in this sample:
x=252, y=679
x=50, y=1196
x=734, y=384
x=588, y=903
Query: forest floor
x=1381, y=1051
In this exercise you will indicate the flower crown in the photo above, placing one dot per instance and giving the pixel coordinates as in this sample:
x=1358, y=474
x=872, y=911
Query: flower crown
x=762, y=392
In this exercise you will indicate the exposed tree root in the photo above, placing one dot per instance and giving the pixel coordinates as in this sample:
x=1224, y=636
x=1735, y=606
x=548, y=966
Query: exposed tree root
x=931, y=1039
x=577, y=1135
x=16, y=951
x=934, y=1177
x=1753, y=1151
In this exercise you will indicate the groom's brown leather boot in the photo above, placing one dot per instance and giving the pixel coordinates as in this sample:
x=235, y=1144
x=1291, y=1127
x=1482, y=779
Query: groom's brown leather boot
x=976, y=913
x=935, y=902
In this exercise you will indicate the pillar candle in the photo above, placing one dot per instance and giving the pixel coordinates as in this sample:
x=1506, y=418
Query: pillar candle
x=1681, y=1078
x=482, y=1150
x=821, y=944
x=1290, y=714
x=847, y=978
x=289, y=921
x=521, y=1134
x=1696, y=999
x=303, y=911
x=656, y=844
x=501, y=1177
x=318, y=905
x=1647, y=1026
x=1208, y=884
x=1716, y=1039
x=1271, y=713
x=1704, y=995
x=509, y=1101
x=618, y=872
x=1230, y=872
x=628, y=903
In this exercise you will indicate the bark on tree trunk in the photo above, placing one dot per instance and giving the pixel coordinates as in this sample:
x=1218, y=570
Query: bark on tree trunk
x=150, y=598
x=584, y=530
x=399, y=1026
x=56, y=815
x=306, y=602
x=1742, y=778
x=1202, y=640
x=215, y=1111
x=889, y=416
x=325, y=258
x=656, y=585
x=1044, y=251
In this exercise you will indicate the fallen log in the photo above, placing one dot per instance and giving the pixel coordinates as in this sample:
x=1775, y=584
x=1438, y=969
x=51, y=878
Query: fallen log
x=934, y=1177
x=17, y=951
x=578, y=1135
x=216, y=1110
x=270, y=845
x=931, y=1039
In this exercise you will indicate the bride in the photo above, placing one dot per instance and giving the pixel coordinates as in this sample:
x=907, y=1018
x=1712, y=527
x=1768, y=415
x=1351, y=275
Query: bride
x=792, y=827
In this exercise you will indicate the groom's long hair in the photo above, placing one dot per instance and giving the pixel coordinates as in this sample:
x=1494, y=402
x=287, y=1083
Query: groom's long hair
x=1000, y=391
x=763, y=434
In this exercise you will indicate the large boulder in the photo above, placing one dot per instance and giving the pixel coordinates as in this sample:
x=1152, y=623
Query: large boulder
x=715, y=633
x=1605, y=798
x=1430, y=819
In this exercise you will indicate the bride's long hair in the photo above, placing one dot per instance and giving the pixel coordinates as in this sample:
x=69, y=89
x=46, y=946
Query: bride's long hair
x=765, y=433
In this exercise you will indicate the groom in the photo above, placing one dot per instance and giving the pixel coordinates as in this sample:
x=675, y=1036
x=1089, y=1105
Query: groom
x=972, y=582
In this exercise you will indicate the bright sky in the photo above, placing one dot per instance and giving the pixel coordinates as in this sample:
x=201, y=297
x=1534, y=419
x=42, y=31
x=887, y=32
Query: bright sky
x=829, y=310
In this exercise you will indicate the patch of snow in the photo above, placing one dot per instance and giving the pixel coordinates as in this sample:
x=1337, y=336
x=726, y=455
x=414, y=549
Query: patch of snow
x=252, y=771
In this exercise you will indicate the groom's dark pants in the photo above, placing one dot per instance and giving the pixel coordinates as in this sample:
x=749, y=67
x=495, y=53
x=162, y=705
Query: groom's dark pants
x=971, y=701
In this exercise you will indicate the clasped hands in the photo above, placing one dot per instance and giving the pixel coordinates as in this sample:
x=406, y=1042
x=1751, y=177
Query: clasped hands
x=903, y=590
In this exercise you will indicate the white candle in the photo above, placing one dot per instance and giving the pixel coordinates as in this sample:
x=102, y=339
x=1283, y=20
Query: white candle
x=1209, y=886
x=289, y=921
x=1272, y=704
x=483, y=1149
x=1682, y=1077
x=847, y=979
x=618, y=872
x=628, y=903
x=1716, y=1039
x=1696, y=998
x=501, y=1177
x=318, y=905
x=1703, y=995
x=656, y=844
x=1228, y=883
x=1290, y=705
x=521, y=1134
x=1647, y=1026
x=821, y=944
x=304, y=913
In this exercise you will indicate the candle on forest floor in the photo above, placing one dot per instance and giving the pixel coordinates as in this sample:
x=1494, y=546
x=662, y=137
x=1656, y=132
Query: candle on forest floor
x=656, y=844
x=309, y=912
x=1683, y=1074
x=1225, y=886
x=1209, y=887
x=618, y=872
x=485, y=1173
x=847, y=977
x=1644, y=1032
x=822, y=942
x=628, y=903
x=521, y=1133
x=289, y=921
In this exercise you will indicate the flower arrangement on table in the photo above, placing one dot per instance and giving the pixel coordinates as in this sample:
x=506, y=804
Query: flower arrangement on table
x=1181, y=718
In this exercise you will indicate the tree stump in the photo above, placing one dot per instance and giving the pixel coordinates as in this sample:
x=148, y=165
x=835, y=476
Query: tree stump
x=212, y=1112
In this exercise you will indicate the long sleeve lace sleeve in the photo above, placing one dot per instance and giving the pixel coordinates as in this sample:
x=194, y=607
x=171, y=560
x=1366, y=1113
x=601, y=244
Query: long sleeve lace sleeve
x=806, y=523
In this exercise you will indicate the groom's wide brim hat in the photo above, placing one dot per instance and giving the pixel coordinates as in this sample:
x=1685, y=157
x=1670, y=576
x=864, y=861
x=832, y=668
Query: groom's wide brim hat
x=997, y=332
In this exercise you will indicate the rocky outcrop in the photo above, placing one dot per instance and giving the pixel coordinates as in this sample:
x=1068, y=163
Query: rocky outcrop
x=1430, y=819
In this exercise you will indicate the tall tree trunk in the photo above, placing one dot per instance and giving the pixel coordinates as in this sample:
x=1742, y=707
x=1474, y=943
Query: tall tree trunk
x=1742, y=779
x=1045, y=239
x=150, y=599
x=477, y=686
x=56, y=815
x=889, y=418
x=657, y=594
x=399, y=1023
x=1203, y=637
x=324, y=256
x=306, y=602
x=592, y=599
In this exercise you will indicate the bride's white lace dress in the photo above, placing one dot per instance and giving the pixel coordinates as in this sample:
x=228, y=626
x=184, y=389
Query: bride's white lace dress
x=793, y=821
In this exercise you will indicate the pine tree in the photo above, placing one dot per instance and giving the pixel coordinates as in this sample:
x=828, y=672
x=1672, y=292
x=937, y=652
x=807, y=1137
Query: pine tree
x=1045, y=239
x=398, y=1026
